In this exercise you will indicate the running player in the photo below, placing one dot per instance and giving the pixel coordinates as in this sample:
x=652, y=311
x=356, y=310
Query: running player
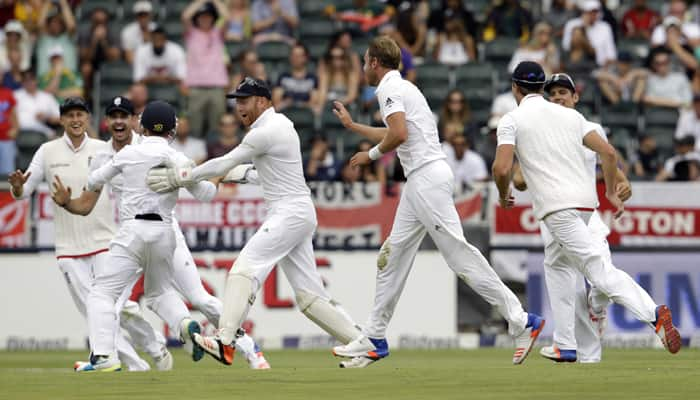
x=426, y=206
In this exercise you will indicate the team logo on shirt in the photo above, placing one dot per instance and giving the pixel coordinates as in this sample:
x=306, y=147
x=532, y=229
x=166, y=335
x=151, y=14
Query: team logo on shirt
x=389, y=102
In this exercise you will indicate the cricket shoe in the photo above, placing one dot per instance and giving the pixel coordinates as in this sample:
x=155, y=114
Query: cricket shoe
x=257, y=359
x=212, y=344
x=188, y=328
x=525, y=340
x=99, y=364
x=164, y=362
x=364, y=347
x=358, y=362
x=556, y=354
x=665, y=330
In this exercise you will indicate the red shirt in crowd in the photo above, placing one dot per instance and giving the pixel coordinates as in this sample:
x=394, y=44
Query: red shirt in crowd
x=635, y=21
x=7, y=104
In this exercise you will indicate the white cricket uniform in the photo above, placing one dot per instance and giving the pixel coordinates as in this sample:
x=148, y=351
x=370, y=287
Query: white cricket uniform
x=82, y=242
x=562, y=280
x=427, y=206
x=548, y=143
x=140, y=245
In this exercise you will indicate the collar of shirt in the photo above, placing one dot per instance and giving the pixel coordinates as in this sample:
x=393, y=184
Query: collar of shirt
x=135, y=139
x=531, y=96
x=389, y=75
x=70, y=143
x=262, y=117
x=153, y=139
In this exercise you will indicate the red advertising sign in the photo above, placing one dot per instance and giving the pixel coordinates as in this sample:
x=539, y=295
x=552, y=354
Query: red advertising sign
x=14, y=230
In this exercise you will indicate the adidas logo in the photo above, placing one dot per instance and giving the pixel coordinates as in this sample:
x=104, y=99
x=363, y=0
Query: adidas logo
x=389, y=102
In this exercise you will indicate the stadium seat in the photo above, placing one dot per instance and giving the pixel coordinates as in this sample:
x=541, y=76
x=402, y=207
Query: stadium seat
x=435, y=96
x=312, y=8
x=329, y=120
x=119, y=72
x=432, y=75
x=500, y=50
x=664, y=138
x=317, y=47
x=303, y=118
x=621, y=139
x=638, y=48
x=475, y=74
x=273, y=51
x=28, y=143
x=175, y=31
x=234, y=49
x=316, y=28
x=108, y=92
x=167, y=93
x=660, y=116
x=349, y=141
x=621, y=115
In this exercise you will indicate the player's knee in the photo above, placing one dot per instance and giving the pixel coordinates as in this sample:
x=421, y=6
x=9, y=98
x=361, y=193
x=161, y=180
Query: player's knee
x=130, y=309
x=243, y=267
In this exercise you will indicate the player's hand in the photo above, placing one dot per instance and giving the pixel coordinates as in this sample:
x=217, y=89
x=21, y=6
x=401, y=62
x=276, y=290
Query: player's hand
x=623, y=191
x=61, y=195
x=343, y=114
x=239, y=174
x=361, y=158
x=172, y=176
x=616, y=203
x=17, y=179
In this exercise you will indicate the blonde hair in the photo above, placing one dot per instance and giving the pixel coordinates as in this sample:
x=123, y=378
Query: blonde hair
x=386, y=51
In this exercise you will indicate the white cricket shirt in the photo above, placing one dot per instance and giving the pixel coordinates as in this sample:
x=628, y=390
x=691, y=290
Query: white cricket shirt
x=548, y=141
x=75, y=235
x=396, y=94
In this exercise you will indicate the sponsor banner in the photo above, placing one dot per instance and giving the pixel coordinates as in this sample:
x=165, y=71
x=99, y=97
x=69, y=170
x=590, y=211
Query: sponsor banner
x=14, y=226
x=425, y=317
x=658, y=214
x=670, y=278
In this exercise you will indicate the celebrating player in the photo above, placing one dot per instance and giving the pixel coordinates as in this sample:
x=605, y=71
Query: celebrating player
x=547, y=138
x=81, y=243
x=285, y=237
x=426, y=206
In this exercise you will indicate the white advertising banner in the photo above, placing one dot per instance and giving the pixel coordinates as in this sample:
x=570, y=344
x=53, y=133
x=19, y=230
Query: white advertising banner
x=40, y=314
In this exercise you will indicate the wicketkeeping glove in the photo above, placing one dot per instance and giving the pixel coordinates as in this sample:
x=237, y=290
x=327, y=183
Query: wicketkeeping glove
x=239, y=174
x=163, y=179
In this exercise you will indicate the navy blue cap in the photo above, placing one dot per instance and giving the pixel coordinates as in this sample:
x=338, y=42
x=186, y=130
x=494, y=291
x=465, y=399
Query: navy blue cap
x=120, y=103
x=529, y=73
x=251, y=87
x=72, y=103
x=562, y=80
x=206, y=8
x=159, y=117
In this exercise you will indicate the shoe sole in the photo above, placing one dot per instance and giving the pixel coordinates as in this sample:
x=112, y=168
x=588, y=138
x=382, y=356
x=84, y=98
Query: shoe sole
x=225, y=357
x=358, y=362
x=197, y=350
x=670, y=336
x=533, y=338
x=372, y=355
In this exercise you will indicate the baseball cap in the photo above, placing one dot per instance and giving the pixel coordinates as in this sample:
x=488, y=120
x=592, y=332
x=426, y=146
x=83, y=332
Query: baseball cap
x=251, y=87
x=72, y=103
x=14, y=26
x=142, y=7
x=156, y=28
x=159, y=117
x=206, y=8
x=56, y=51
x=120, y=103
x=589, y=5
x=671, y=21
x=562, y=80
x=529, y=73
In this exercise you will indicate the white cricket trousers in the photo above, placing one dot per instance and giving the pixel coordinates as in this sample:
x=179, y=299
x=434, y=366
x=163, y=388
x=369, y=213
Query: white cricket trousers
x=79, y=274
x=585, y=253
x=427, y=206
x=139, y=247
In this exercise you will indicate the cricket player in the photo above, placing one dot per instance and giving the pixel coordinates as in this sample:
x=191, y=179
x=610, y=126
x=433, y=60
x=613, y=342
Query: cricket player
x=426, y=206
x=81, y=243
x=145, y=241
x=285, y=237
x=120, y=113
x=547, y=138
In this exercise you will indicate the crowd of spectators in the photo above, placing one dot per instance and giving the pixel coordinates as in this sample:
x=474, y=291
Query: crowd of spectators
x=640, y=55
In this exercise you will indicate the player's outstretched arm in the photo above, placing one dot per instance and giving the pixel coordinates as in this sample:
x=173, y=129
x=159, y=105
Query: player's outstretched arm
x=220, y=166
x=373, y=134
x=82, y=205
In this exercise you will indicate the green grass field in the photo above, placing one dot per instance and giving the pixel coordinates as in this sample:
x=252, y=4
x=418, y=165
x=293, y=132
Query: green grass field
x=473, y=374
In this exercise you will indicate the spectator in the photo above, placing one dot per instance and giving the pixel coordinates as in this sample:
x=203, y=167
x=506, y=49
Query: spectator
x=36, y=109
x=274, y=20
x=599, y=33
x=56, y=29
x=299, y=86
x=239, y=25
x=227, y=138
x=689, y=123
x=540, y=49
x=690, y=29
x=137, y=33
x=249, y=65
x=639, y=21
x=487, y=148
x=350, y=173
x=665, y=88
x=454, y=46
x=507, y=18
x=343, y=39
x=207, y=78
x=97, y=43
x=16, y=38
x=452, y=10
x=406, y=67
x=12, y=78
x=336, y=80
x=411, y=31
x=28, y=12
x=60, y=81
x=192, y=147
x=455, y=117
x=621, y=81
x=677, y=44
x=647, y=160
x=138, y=94
x=372, y=172
x=503, y=104
x=160, y=61
x=683, y=166
x=8, y=131
x=560, y=11
x=579, y=61
x=467, y=165
x=321, y=165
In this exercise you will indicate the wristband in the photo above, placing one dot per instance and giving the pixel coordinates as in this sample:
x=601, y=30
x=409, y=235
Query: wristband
x=375, y=153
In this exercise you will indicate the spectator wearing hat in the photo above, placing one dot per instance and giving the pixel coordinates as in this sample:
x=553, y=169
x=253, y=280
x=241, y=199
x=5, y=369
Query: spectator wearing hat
x=138, y=32
x=36, y=109
x=60, y=81
x=676, y=16
x=621, y=81
x=57, y=27
x=599, y=32
x=16, y=38
x=207, y=77
x=8, y=131
x=664, y=87
x=684, y=164
x=639, y=21
x=689, y=123
x=160, y=61
x=97, y=43
x=274, y=20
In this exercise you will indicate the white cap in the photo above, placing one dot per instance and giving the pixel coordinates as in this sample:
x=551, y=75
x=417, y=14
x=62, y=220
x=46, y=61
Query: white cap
x=142, y=6
x=14, y=26
x=56, y=51
x=671, y=20
x=589, y=5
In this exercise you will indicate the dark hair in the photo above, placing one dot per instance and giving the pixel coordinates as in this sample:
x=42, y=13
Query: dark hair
x=386, y=51
x=302, y=46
